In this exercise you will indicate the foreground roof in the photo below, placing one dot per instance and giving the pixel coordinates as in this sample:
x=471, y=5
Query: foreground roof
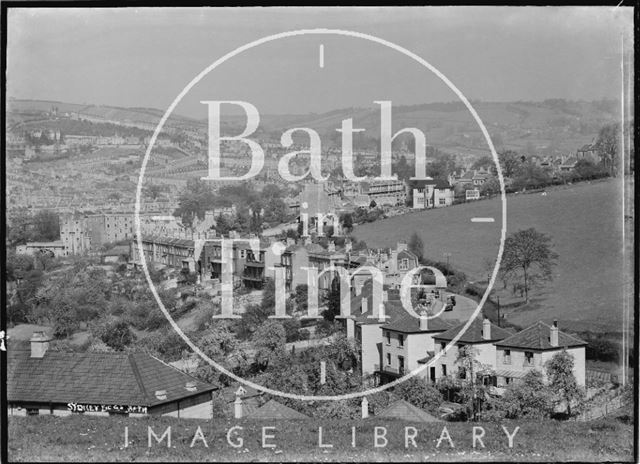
x=537, y=337
x=274, y=410
x=404, y=410
x=96, y=378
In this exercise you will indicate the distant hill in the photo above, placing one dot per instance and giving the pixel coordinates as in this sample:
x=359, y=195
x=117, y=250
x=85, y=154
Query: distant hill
x=553, y=126
x=147, y=115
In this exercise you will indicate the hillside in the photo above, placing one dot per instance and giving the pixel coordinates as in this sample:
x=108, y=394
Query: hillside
x=85, y=439
x=551, y=127
x=585, y=223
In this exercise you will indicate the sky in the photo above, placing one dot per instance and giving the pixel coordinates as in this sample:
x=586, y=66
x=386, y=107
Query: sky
x=144, y=57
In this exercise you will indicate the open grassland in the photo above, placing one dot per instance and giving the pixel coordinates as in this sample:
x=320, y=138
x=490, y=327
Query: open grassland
x=78, y=438
x=585, y=222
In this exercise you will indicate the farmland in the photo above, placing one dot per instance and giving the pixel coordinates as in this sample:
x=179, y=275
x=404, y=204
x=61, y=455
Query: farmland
x=585, y=222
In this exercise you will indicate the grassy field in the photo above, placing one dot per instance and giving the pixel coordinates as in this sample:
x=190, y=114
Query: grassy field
x=585, y=222
x=77, y=438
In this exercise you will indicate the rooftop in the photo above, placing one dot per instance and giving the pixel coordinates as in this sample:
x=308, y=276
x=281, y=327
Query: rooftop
x=537, y=337
x=474, y=333
x=410, y=324
x=96, y=378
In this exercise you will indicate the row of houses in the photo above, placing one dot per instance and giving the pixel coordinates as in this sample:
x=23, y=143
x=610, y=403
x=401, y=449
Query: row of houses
x=252, y=265
x=402, y=343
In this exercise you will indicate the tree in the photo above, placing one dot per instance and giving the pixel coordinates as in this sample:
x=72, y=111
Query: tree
x=586, y=169
x=115, y=333
x=471, y=394
x=269, y=339
x=46, y=226
x=332, y=300
x=483, y=162
x=509, y=162
x=530, y=398
x=196, y=198
x=154, y=191
x=562, y=381
x=346, y=220
x=300, y=296
x=528, y=258
x=276, y=211
x=418, y=392
x=416, y=246
x=608, y=147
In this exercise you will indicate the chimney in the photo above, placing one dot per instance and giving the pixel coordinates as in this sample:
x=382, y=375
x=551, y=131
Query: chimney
x=364, y=305
x=486, y=329
x=350, y=328
x=39, y=344
x=553, y=339
x=424, y=321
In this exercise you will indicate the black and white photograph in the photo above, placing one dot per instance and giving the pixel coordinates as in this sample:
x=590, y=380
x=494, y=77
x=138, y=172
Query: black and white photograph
x=318, y=234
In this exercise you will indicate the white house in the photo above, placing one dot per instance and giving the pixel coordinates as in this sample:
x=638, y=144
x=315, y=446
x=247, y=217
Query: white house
x=407, y=341
x=481, y=335
x=432, y=194
x=532, y=347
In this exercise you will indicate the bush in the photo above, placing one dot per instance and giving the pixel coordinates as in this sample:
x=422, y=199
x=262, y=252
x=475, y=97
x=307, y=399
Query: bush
x=115, y=333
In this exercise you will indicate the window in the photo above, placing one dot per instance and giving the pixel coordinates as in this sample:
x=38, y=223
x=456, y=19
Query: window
x=506, y=358
x=32, y=411
x=404, y=264
x=507, y=380
x=444, y=370
x=442, y=201
x=528, y=358
x=400, y=340
x=388, y=359
x=243, y=254
x=388, y=338
x=400, y=364
x=443, y=345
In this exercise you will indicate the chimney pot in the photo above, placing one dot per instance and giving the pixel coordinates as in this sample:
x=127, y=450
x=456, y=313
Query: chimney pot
x=553, y=336
x=424, y=320
x=39, y=344
x=486, y=329
x=364, y=305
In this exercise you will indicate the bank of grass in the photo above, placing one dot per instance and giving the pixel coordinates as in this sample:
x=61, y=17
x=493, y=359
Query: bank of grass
x=78, y=438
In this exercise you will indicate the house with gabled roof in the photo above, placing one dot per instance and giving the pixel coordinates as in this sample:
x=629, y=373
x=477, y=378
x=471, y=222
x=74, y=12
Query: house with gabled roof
x=432, y=193
x=406, y=341
x=40, y=381
x=481, y=334
x=532, y=347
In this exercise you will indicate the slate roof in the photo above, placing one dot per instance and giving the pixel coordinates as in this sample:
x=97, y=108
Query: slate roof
x=410, y=324
x=404, y=410
x=392, y=309
x=95, y=378
x=474, y=333
x=274, y=410
x=437, y=183
x=536, y=337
